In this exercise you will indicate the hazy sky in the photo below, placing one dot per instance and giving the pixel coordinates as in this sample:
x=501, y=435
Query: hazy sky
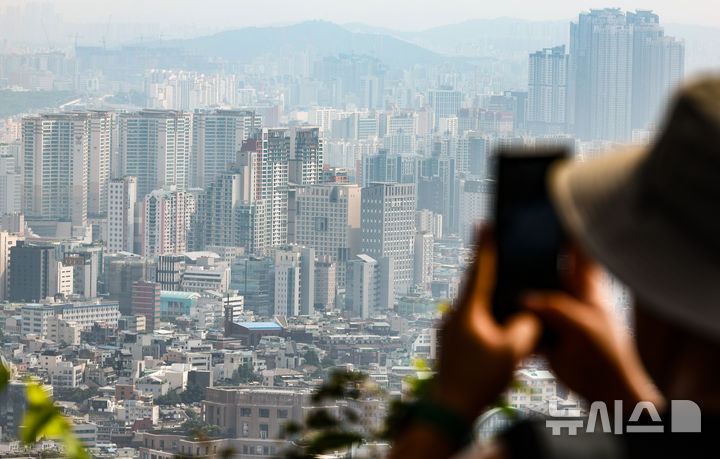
x=398, y=14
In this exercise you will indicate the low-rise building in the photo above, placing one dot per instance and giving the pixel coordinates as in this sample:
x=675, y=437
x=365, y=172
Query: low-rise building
x=129, y=411
x=258, y=412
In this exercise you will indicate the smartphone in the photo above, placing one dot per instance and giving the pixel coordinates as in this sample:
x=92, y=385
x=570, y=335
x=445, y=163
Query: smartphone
x=530, y=238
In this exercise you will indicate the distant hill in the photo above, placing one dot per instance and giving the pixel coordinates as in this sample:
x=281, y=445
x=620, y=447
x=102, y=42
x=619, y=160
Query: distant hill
x=501, y=37
x=17, y=102
x=473, y=41
x=325, y=38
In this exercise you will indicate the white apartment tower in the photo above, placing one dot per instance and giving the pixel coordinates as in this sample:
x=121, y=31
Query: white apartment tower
x=166, y=217
x=424, y=262
x=10, y=185
x=121, y=199
x=7, y=240
x=217, y=137
x=658, y=67
x=155, y=148
x=55, y=166
x=306, y=156
x=547, y=90
x=601, y=60
x=388, y=228
x=272, y=146
x=100, y=139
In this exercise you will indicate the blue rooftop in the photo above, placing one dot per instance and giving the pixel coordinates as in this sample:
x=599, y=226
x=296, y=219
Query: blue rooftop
x=178, y=295
x=260, y=326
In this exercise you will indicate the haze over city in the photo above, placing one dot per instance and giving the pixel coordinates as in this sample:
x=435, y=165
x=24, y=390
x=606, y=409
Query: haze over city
x=238, y=225
x=403, y=15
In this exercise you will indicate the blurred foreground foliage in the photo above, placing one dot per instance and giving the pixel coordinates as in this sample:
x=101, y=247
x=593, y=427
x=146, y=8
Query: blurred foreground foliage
x=42, y=419
x=335, y=427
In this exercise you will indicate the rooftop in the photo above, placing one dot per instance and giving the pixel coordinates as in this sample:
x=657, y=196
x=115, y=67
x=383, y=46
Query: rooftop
x=169, y=294
x=260, y=326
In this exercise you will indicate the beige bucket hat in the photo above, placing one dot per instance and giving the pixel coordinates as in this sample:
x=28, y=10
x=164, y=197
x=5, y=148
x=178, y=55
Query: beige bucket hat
x=652, y=215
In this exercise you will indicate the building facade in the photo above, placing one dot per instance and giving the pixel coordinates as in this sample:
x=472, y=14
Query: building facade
x=155, y=148
x=547, y=90
x=217, y=137
x=55, y=166
x=388, y=228
x=121, y=200
x=328, y=220
x=166, y=216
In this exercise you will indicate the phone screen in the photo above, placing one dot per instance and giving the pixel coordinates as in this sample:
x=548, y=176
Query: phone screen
x=530, y=238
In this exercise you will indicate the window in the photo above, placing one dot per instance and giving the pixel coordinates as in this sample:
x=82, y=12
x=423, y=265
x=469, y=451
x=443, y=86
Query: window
x=245, y=412
x=264, y=430
x=282, y=414
x=264, y=413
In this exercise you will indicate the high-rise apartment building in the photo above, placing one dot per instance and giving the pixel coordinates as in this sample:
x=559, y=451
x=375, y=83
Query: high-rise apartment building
x=55, y=166
x=658, y=66
x=228, y=211
x=328, y=220
x=388, y=228
x=121, y=200
x=217, y=137
x=101, y=130
x=475, y=202
x=622, y=67
x=273, y=154
x=547, y=90
x=7, y=242
x=166, y=218
x=601, y=46
x=306, y=156
x=424, y=261
x=11, y=185
x=155, y=148
x=401, y=131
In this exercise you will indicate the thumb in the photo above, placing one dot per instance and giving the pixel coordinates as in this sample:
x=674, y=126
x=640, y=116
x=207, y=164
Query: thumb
x=522, y=332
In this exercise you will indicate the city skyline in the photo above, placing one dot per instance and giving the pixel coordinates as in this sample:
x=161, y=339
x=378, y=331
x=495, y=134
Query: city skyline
x=196, y=233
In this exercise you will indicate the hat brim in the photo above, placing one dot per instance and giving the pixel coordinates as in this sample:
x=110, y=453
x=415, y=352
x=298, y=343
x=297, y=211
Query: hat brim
x=599, y=202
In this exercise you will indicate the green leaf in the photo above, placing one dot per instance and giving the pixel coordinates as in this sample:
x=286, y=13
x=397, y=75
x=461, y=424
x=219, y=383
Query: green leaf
x=4, y=377
x=74, y=447
x=43, y=419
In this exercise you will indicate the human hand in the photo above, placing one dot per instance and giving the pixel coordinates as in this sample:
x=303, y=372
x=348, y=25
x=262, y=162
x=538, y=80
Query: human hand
x=477, y=354
x=591, y=353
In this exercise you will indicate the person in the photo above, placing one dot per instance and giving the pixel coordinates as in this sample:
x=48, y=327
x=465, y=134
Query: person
x=650, y=216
